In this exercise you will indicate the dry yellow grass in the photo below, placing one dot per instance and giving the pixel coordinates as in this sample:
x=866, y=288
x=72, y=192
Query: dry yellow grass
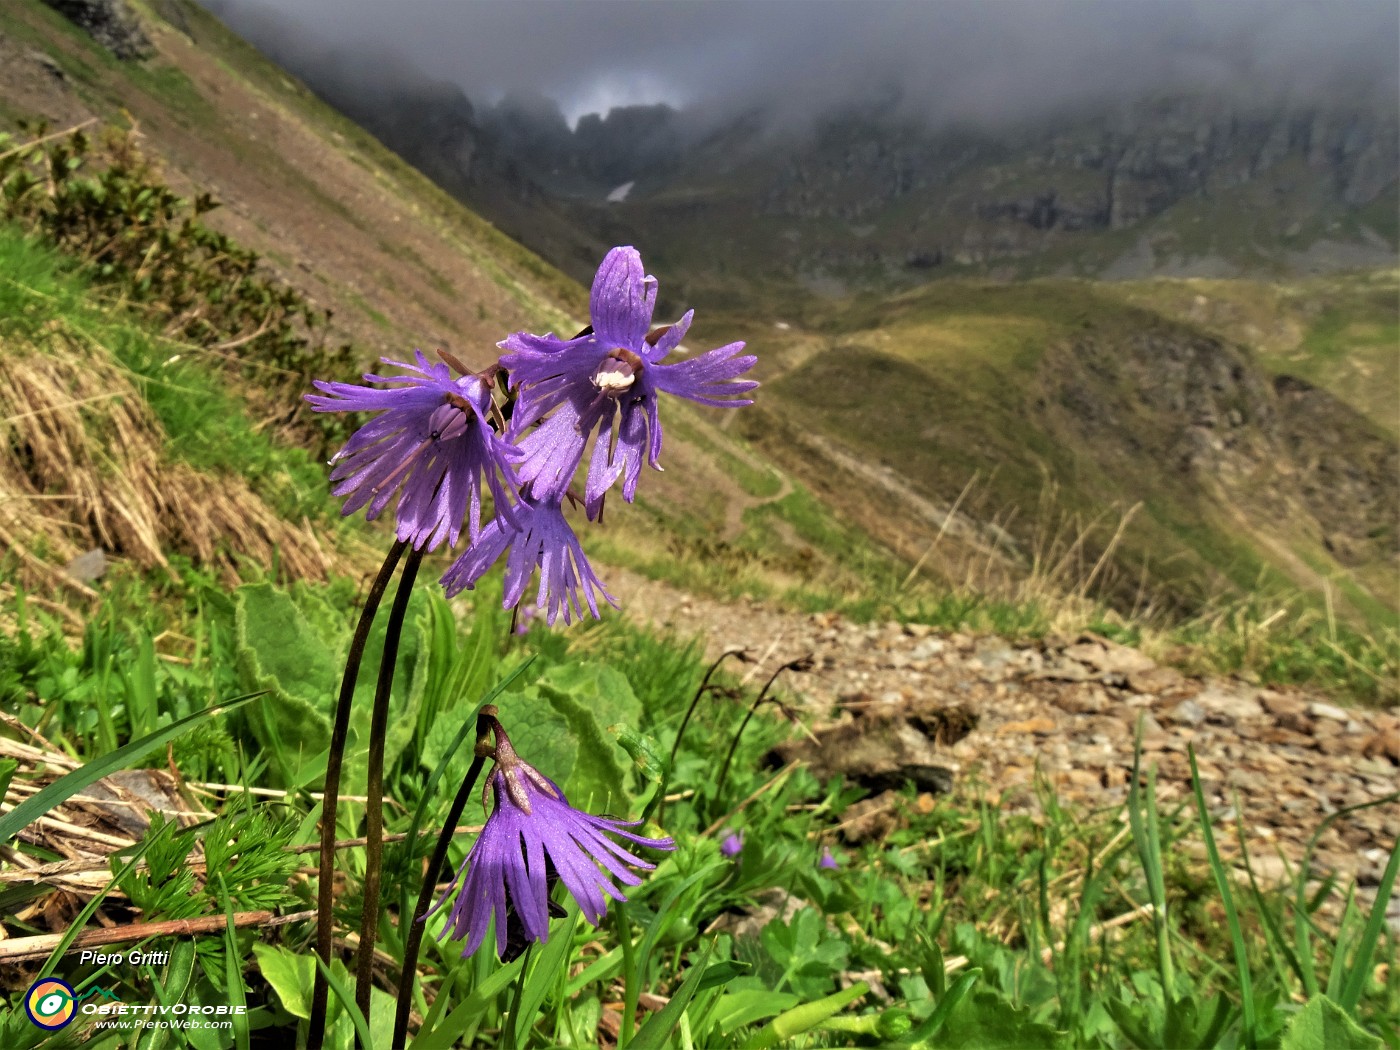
x=84, y=464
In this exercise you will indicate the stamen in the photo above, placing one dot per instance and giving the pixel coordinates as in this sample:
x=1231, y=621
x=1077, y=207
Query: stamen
x=618, y=372
x=448, y=421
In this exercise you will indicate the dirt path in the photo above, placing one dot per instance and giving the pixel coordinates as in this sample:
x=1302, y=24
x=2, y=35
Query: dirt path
x=1070, y=706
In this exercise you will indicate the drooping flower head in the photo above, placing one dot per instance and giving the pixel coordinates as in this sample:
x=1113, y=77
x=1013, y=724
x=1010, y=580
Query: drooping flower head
x=732, y=844
x=537, y=535
x=608, y=381
x=431, y=444
x=827, y=860
x=533, y=834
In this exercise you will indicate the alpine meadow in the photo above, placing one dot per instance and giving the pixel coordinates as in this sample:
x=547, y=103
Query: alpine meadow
x=696, y=526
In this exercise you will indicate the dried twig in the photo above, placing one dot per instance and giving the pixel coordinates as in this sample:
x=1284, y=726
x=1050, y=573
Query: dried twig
x=30, y=949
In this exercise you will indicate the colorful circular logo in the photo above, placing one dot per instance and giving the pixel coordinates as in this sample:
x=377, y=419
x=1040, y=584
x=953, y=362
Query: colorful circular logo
x=50, y=1003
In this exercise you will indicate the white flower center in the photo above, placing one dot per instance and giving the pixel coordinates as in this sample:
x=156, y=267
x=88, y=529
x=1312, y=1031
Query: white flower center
x=617, y=373
x=616, y=381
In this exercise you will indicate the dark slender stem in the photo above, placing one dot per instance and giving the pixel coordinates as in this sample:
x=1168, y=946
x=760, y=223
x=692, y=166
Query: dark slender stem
x=408, y=973
x=374, y=789
x=340, y=729
x=762, y=693
x=694, y=703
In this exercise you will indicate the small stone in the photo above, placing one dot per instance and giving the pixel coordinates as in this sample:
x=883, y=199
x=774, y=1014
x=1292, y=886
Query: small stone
x=1030, y=725
x=1062, y=671
x=927, y=648
x=1384, y=745
x=1320, y=710
x=1188, y=712
x=1269, y=868
x=1227, y=706
x=1157, y=680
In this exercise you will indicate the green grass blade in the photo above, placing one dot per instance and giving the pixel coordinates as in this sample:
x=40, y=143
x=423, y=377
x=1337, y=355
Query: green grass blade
x=444, y=1037
x=1303, y=908
x=550, y=968
x=80, y=920
x=347, y=1003
x=933, y=1024
x=170, y=991
x=1361, y=961
x=1232, y=919
x=430, y=785
x=233, y=971
x=1341, y=948
x=15, y=821
x=1278, y=944
x=659, y=1026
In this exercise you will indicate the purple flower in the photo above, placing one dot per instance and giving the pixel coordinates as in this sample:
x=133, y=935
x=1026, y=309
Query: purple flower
x=609, y=381
x=537, y=535
x=522, y=623
x=733, y=843
x=532, y=836
x=432, y=445
x=827, y=860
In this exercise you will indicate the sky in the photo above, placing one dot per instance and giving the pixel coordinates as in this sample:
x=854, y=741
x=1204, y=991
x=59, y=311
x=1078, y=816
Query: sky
x=947, y=60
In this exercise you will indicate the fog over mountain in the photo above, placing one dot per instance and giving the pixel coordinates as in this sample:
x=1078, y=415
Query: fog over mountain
x=950, y=61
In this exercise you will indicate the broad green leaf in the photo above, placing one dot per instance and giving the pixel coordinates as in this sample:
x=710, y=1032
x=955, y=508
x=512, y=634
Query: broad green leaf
x=592, y=697
x=294, y=645
x=541, y=736
x=278, y=651
x=986, y=1021
x=291, y=976
x=1323, y=1025
x=381, y=1017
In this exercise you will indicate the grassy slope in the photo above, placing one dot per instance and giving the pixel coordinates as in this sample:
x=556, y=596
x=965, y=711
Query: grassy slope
x=753, y=507
x=947, y=385
x=398, y=261
x=1339, y=332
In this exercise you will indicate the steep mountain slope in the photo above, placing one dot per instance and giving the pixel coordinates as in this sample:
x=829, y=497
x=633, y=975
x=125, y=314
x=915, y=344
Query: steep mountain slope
x=1067, y=409
x=1183, y=186
x=398, y=262
x=332, y=210
x=990, y=434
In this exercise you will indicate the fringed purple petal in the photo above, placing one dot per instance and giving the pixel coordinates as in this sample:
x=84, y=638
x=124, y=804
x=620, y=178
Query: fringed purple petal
x=670, y=339
x=431, y=447
x=511, y=857
x=623, y=300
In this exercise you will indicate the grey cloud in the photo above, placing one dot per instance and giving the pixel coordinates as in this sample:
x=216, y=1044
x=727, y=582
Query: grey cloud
x=947, y=60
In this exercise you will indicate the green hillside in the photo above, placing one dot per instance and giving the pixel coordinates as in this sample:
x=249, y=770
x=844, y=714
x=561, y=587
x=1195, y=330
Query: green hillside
x=920, y=514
